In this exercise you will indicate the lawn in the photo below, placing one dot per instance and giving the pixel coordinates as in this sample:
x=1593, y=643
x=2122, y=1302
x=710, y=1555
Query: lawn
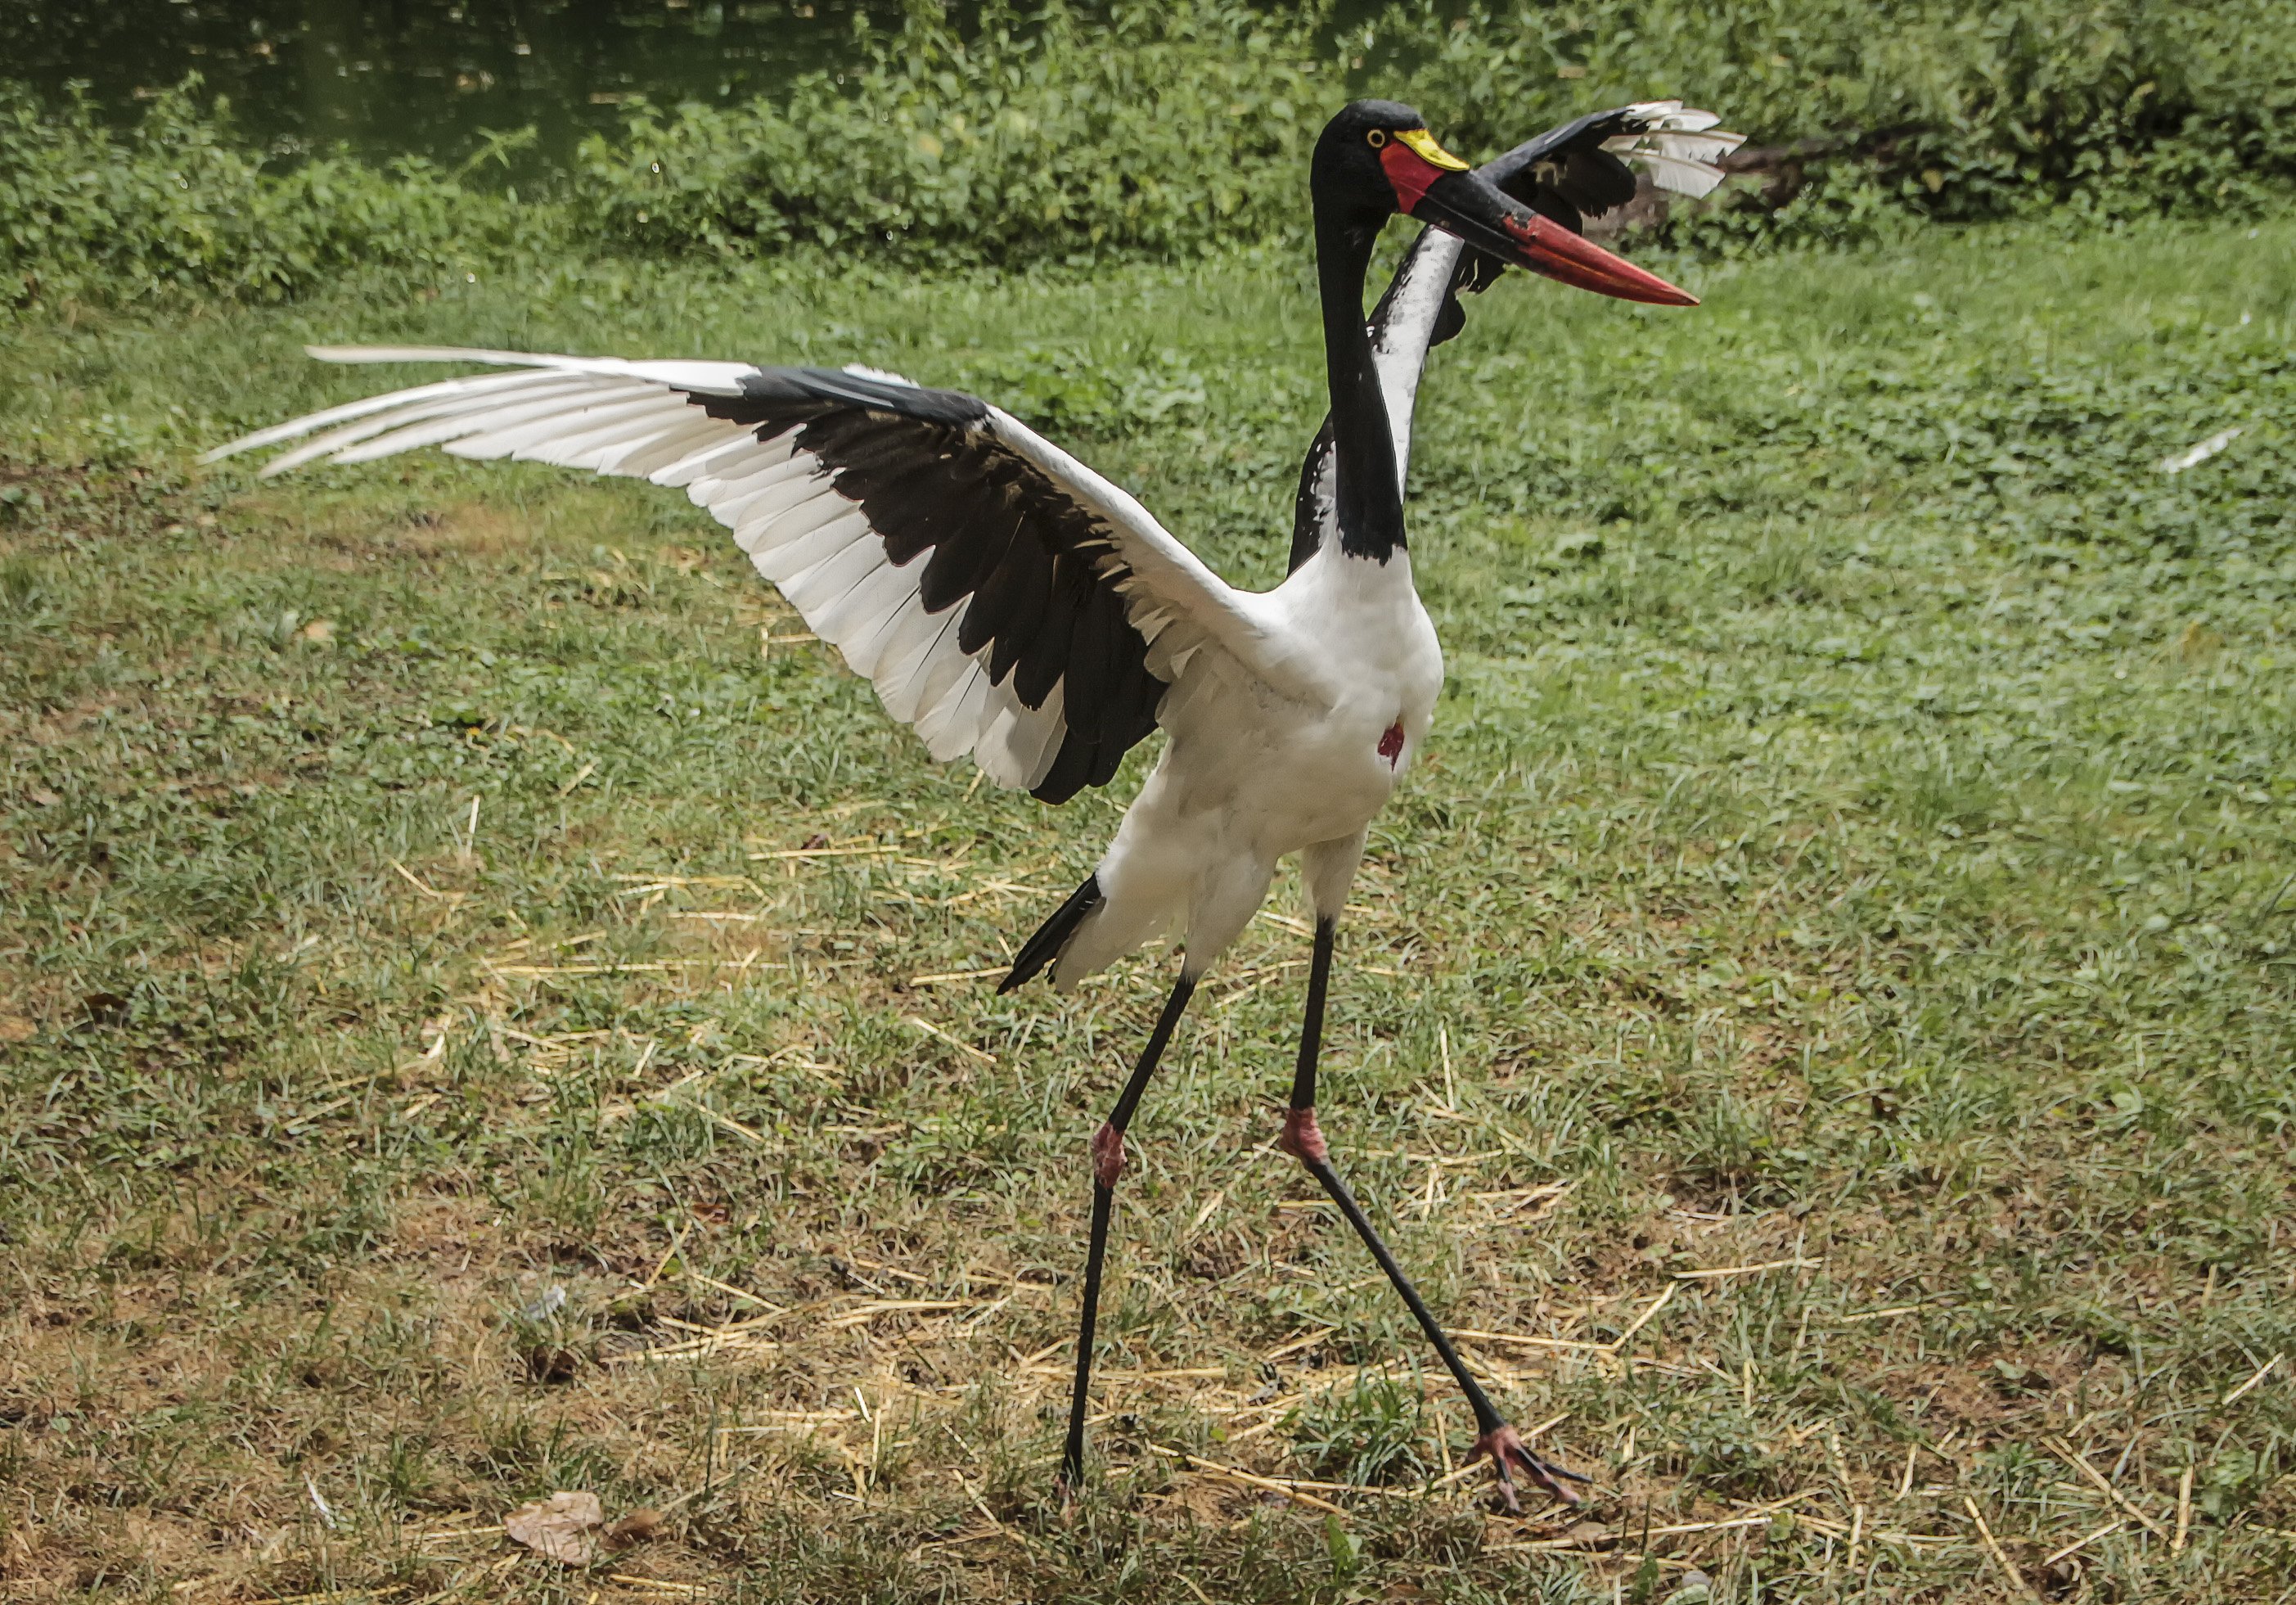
x=488, y=1008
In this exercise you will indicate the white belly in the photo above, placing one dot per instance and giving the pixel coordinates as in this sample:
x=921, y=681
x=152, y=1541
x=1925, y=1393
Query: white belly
x=1288, y=773
x=1271, y=784
x=1250, y=777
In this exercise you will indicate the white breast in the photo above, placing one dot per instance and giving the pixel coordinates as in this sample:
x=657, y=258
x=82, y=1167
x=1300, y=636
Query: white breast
x=1284, y=773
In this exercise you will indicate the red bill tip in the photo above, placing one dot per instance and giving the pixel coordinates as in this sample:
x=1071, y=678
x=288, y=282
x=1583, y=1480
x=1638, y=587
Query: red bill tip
x=1553, y=249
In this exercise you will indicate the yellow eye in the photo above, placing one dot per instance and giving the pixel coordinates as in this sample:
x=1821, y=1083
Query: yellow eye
x=1377, y=137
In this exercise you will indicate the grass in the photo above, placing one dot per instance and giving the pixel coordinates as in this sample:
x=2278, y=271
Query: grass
x=1857, y=843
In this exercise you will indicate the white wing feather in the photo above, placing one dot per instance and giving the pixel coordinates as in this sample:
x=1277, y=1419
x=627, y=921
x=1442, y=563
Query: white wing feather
x=636, y=419
x=1679, y=146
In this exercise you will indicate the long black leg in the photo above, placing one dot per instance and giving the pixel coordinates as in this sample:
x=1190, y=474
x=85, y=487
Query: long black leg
x=1304, y=1141
x=1311, y=1029
x=1107, y=1165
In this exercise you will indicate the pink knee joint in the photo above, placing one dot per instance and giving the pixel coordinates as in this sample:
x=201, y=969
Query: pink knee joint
x=1302, y=1138
x=1107, y=1155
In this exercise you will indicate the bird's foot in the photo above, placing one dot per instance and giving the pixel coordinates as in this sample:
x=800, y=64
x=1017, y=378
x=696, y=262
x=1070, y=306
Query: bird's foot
x=1509, y=1455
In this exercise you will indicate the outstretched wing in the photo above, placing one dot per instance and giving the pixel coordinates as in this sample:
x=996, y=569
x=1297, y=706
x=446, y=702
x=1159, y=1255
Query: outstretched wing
x=1582, y=170
x=1005, y=599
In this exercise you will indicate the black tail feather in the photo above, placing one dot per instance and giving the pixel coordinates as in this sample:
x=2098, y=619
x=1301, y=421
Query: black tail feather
x=1052, y=935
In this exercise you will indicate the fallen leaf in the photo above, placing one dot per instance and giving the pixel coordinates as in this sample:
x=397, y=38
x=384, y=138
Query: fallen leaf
x=16, y=1028
x=318, y=630
x=559, y=1526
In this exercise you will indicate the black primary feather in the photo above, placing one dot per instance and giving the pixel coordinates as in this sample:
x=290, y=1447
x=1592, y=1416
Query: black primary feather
x=1052, y=935
x=1071, y=770
x=839, y=388
x=957, y=567
x=1045, y=654
x=1036, y=572
x=1021, y=588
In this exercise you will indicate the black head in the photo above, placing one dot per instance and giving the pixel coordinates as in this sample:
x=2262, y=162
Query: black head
x=1374, y=159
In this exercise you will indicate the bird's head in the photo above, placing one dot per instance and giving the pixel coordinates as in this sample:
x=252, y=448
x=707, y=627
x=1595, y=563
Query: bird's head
x=1376, y=157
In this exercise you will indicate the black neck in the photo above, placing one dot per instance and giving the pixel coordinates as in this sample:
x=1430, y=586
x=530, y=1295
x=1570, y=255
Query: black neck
x=1369, y=502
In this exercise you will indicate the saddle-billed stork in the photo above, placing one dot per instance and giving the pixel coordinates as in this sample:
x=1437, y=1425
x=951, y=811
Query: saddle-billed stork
x=1010, y=604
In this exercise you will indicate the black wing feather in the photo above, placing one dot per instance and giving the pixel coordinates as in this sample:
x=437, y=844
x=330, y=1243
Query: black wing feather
x=1089, y=680
x=1022, y=587
x=1071, y=770
x=1045, y=655
x=1054, y=934
x=957, y=567
x=1034, y=568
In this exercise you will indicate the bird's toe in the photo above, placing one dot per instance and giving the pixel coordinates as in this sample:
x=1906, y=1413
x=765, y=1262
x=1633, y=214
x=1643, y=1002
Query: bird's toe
x=1510, y=1456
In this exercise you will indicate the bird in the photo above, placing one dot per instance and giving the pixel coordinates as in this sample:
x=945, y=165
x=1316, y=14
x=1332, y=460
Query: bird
x=1575, y=172
x=1010, y=604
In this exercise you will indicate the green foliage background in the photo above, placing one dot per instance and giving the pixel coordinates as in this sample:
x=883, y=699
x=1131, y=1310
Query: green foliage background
x=1162, y=131
x=1856, y=853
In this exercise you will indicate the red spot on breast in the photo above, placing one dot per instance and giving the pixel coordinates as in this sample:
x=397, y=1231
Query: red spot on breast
x=1390, y=743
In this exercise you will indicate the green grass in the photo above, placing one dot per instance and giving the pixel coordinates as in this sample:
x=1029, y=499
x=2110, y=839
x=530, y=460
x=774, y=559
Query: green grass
x=1857, y=834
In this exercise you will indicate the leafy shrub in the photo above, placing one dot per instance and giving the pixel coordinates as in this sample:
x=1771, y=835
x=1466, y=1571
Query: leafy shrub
x=1168, y=130
x=1163, y=130
x=1173, y=130
x=1950, y=109
x=178, y=203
